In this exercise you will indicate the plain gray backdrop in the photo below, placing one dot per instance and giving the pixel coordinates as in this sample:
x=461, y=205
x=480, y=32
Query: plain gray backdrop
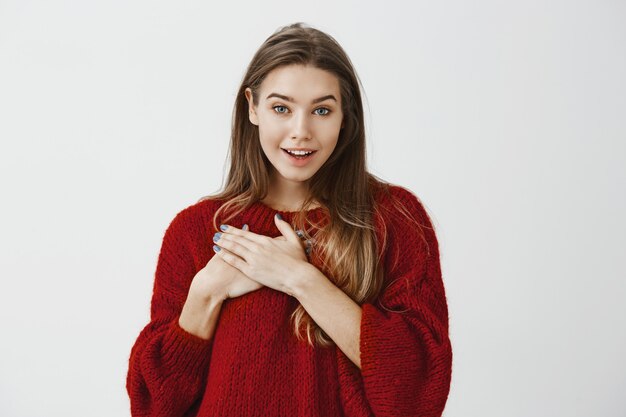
x=506, y=118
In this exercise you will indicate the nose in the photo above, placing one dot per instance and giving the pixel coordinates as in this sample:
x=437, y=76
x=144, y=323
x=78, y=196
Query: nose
x=301, y=128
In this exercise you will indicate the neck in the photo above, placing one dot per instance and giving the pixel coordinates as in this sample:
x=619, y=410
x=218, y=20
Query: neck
x=286, y=195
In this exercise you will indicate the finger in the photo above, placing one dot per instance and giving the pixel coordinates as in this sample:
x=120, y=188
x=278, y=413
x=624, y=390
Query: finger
x=230, y=258
x=235, y=244
x=285, y=229
x=246, y=234
x=309, y=247
x=231, y=234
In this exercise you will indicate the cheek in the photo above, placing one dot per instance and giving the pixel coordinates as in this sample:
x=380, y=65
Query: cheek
x=328, y=146
x=332, y=147
x=270, y=130
x=267, y=134
x=330, y=134
x=332, y=130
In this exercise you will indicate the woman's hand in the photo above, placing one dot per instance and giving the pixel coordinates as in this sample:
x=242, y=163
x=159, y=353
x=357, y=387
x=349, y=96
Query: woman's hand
x=273, y=262
x=211, y=285
x=220, y=280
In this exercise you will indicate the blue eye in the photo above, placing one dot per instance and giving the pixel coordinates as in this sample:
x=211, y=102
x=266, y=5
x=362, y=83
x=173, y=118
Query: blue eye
x=324, y=108
x=327, y=111
x=280, y=112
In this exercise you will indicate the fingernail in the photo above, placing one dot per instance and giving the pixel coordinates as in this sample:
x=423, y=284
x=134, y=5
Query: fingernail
x=216, y=237
x=279, y=216
x=223, y=227
x=245, y=227
x=216, y=248
x=300, y=234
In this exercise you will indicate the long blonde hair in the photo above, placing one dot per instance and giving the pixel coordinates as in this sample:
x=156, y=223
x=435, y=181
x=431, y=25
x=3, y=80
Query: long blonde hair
x=347, y=245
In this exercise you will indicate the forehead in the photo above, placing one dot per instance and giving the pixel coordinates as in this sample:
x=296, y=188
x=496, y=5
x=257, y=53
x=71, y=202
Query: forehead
x=300, y=82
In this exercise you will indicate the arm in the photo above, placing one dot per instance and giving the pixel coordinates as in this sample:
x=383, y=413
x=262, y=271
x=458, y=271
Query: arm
x=406, y=354
x=403, y=348
x=168, y=365
x=336, y=313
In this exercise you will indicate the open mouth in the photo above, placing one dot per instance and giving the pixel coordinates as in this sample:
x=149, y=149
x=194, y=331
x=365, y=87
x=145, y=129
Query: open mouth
x=299, y=155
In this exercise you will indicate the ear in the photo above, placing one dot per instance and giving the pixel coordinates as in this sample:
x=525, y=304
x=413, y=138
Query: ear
x=254, y=119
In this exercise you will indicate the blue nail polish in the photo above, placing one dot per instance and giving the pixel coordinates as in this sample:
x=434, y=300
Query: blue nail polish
x=279, y=216
x=223, y=227
x=216, y=248
x=216, y=237
x=245, y=226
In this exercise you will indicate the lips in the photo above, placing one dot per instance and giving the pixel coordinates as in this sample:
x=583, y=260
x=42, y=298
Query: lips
x=298, y=149
x=308, y=154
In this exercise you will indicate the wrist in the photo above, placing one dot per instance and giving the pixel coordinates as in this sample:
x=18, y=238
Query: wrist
x=305, y=278
x=199, y=317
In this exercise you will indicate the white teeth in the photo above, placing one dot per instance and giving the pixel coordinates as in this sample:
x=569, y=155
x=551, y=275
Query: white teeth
x=299, y=153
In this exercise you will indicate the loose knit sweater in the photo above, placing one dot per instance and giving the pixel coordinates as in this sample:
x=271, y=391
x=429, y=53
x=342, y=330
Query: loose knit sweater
x=255, y=366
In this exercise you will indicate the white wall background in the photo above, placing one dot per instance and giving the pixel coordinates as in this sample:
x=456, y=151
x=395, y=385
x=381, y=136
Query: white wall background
x=508, y=119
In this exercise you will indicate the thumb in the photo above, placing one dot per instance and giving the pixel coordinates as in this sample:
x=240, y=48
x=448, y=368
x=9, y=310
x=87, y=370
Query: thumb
x=285, y=229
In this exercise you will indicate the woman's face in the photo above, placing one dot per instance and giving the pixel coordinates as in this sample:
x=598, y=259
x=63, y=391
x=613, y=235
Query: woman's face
x=299, y=109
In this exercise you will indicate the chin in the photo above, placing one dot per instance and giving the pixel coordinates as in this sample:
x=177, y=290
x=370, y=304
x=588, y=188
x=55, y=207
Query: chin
x=296, y=178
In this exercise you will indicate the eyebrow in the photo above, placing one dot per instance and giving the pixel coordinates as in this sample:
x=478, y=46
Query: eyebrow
x=317, y=100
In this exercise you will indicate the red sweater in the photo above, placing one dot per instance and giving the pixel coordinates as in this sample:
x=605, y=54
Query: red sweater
x=255, y=366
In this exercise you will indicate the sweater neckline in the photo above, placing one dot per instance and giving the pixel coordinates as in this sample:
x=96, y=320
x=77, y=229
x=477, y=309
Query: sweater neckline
x=314, y=212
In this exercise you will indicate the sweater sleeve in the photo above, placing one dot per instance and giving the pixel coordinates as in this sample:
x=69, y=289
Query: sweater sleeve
x=406, y=355
x=167, y=365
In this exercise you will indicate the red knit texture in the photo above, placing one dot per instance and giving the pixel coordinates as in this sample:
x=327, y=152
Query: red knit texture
x=255, y=366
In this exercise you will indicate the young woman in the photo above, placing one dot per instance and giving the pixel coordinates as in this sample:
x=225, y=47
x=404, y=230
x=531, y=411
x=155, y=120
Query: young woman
x=307, y=286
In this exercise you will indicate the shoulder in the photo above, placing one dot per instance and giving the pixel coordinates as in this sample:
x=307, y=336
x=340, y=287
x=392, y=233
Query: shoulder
x=194, y=215
x=404, y=220
x=399, y=204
